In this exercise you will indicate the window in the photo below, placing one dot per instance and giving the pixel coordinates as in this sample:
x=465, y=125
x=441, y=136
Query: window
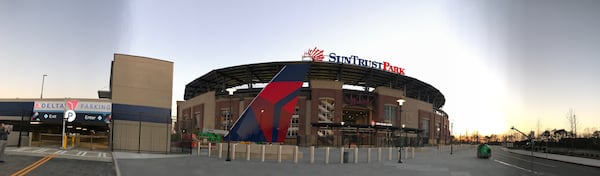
x=326, y=109
x=326, y=114
x=389, y=114
x=294, y=124
x=225, y=119
x=425, y=127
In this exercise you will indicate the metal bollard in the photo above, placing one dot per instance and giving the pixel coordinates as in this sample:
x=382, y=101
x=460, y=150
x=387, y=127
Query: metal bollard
x=312, y=154
x=296, y=154
x=279, y=154
x=379, y=154
x=220, y=150
x=356, y=155
x=326, y=155
x=390, y=154
x=406, y=153
x=342, y=155
x=262, y=153
x=209, y=149
x=368, y=155
x=413, y=152
x=247, y=152
x=233, y=151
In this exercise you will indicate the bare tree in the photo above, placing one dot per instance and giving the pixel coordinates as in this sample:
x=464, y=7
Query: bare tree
x=572, y=122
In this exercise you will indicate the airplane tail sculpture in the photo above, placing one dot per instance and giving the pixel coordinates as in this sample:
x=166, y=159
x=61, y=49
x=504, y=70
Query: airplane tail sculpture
x=267, y=118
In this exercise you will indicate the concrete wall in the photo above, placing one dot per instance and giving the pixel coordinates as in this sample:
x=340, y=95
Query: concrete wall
x=142, y=81
x=154, y=136
x=208, y=102
x=387, y=96
x=389, y=92
x=410, y=111
x=141, y=90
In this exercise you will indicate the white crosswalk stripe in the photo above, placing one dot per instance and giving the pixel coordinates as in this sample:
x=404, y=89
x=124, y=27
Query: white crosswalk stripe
x=40, y=150
x=60, y=152
x=81, y=153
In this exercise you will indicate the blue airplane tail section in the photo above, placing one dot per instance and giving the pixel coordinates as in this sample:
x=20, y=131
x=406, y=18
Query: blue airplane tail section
x=267, y=118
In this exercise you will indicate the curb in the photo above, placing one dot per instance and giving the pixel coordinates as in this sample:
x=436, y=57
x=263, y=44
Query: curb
x=581, y=164
x=117, y=170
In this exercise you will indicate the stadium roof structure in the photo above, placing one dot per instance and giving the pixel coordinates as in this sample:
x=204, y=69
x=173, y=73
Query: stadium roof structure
x=220, y=79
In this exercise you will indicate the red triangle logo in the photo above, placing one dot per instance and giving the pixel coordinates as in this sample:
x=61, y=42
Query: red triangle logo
x=71, y=104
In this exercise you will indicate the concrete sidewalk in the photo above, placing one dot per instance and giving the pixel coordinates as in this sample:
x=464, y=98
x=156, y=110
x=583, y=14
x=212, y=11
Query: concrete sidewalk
x=133, y=155
x=563, y=158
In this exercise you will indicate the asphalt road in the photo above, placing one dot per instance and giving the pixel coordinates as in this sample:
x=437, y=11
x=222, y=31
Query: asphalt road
x=430, y=162
x=462, y=163
x=56, y=166
x=540, y=166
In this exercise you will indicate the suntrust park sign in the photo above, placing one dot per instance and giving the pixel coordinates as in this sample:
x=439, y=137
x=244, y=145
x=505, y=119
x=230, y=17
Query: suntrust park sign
x=316, y=55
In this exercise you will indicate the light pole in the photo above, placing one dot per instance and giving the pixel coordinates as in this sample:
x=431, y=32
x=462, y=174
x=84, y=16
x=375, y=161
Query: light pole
x=42, y=92
x=530, y=137
x=451, y=136
x=400, y=102
x=438, y=138
x=230, y=90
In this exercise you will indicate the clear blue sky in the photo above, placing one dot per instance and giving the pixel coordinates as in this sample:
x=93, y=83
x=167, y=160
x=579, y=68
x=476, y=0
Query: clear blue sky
x=497, y=62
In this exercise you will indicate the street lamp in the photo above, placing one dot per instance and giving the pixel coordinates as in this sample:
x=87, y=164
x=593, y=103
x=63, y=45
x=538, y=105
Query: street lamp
x=230, y=90
x=451, y=136
x=42, y=93
x=400, y=102
x=438, y=138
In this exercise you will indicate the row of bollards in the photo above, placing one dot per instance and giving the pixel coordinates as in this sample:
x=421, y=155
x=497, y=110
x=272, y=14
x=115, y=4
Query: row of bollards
x=344, y=153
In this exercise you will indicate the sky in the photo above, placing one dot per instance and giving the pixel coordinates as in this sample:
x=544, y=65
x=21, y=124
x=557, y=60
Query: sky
x=498, y=63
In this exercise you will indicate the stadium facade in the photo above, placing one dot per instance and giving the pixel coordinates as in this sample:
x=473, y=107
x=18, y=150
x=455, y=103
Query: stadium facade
x=345, y=100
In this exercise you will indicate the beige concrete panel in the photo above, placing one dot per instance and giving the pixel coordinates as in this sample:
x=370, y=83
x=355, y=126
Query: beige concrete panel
x=410, y=111
x=154, y=137
x=125, y=135
x=325, y=84
x=208, y=99
x=389, y=91
x=142, y=81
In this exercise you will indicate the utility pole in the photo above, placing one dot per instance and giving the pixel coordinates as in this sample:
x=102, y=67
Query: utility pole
x=530, y=139
x=451, y=137
x=42, y=92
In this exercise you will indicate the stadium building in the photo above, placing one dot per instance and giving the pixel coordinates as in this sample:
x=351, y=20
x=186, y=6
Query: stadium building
x=345, y=100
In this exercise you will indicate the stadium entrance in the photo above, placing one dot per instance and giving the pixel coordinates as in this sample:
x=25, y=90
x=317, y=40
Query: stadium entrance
x=359, y=116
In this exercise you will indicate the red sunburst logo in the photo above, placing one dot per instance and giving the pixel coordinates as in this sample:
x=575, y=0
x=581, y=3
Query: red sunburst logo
x=315, y=54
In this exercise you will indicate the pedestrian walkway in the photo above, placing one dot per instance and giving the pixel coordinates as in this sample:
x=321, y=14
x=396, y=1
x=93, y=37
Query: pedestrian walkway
x=563, y=158
x=97, y=155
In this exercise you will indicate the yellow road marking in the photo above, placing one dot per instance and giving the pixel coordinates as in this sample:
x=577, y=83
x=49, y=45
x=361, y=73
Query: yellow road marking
x=34, y=165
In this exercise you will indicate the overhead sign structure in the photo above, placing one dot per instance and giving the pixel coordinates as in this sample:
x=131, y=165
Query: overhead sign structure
x=316, y=55
x=72, y=110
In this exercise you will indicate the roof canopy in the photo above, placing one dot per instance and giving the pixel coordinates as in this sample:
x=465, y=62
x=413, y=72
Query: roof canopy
x=220, y=79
